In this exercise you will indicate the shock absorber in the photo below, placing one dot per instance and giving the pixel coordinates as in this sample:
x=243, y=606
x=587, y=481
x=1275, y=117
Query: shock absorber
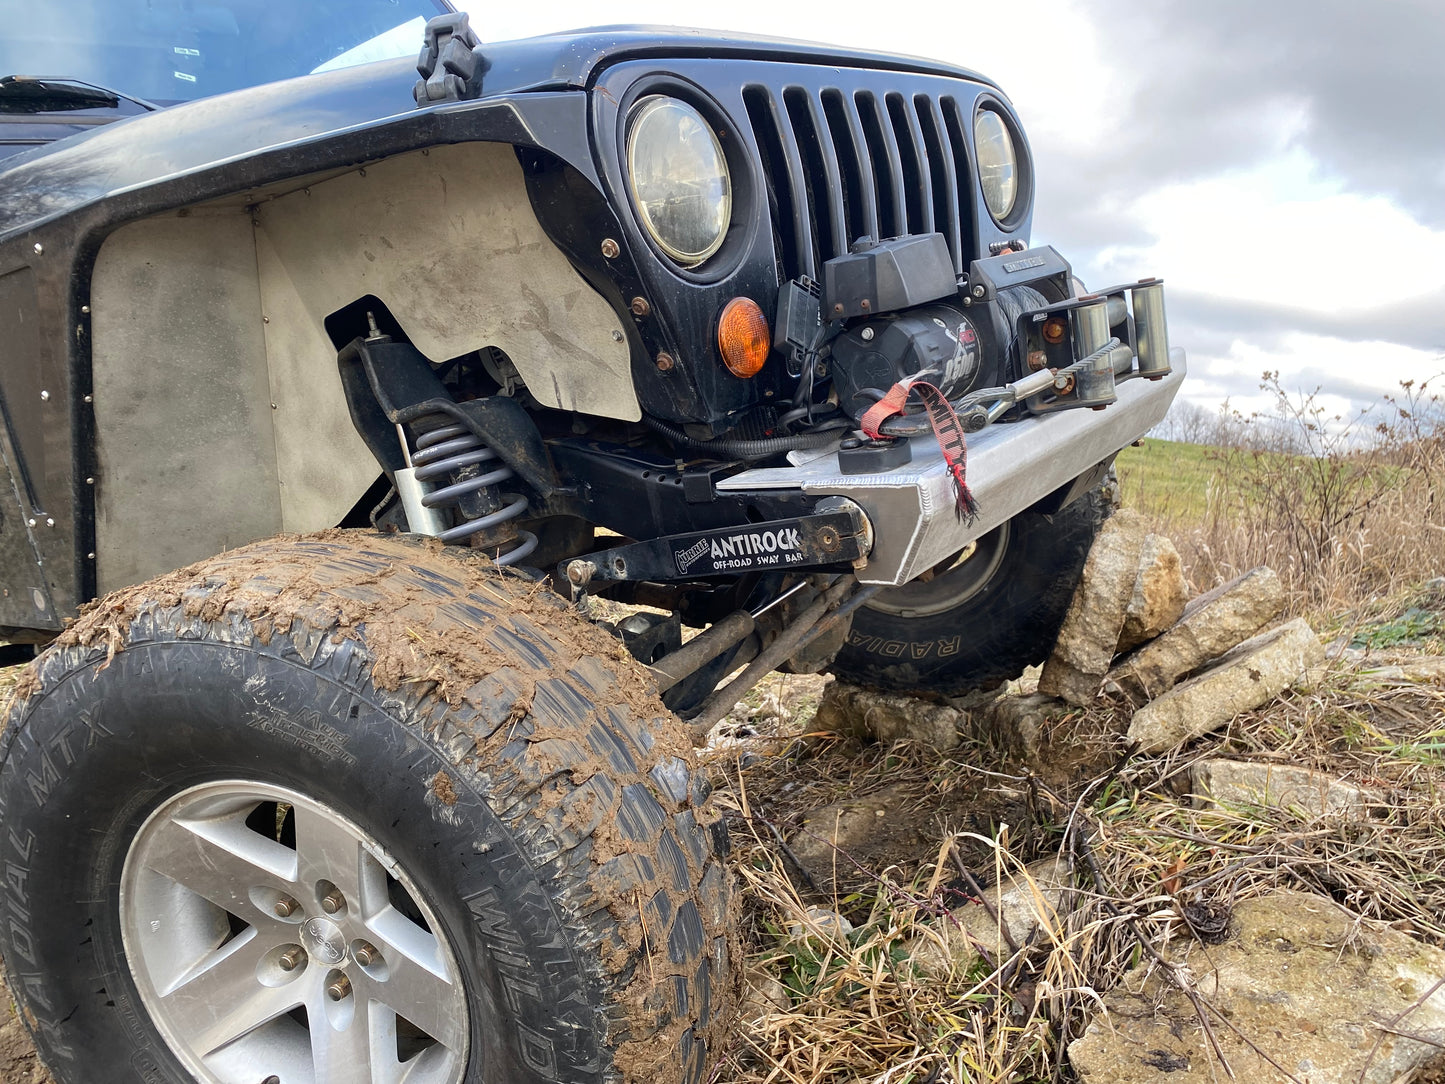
x=455, y=469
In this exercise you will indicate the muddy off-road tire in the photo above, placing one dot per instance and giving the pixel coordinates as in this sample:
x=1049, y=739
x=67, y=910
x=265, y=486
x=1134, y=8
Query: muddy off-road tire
x=364, y=758
x=982, y=620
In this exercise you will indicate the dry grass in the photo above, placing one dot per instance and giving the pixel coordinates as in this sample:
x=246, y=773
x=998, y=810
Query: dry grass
x=1148, y=866
x=1357, y=534
x=1345, y=510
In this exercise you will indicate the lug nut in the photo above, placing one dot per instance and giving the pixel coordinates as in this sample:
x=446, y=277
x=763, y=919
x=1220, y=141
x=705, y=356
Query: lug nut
x=285, y=907
x=333, y=902
x=366, y=954
x=340, y=989
x=291, y=959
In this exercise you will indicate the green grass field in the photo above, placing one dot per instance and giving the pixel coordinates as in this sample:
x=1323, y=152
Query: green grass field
x=1167, y=479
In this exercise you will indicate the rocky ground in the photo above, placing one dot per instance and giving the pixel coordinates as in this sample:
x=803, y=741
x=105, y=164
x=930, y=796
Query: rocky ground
x=1213, y=846
x=1211, y=849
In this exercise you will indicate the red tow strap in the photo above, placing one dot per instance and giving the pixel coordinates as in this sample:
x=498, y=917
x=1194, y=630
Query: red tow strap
x=946, y=427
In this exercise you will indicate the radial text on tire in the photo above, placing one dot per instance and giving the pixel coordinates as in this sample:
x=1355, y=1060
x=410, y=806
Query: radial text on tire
x=984, y=615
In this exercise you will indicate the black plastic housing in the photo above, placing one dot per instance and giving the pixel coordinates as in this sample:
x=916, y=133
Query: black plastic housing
x=887, y=277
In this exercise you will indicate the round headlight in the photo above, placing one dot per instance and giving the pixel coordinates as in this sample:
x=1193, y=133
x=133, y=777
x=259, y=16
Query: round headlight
x=998, y=163
x=679, y=179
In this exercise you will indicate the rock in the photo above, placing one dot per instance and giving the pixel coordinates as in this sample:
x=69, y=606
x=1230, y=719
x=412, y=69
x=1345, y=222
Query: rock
x=1091, y=627
x=1017, y=724
x=1024, y=903
x=1285, y=786
x=819, y=922
x=888, y=717
x=1308, y=983
x=1027, y=683
x=1160, y=594
x=1252, y=674
x=855, y=827
x=1211, y=625
x=763, y=995
x=1414, y=670
x=771, y=706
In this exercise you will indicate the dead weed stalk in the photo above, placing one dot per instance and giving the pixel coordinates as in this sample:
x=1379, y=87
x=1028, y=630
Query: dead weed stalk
x=885, y=1002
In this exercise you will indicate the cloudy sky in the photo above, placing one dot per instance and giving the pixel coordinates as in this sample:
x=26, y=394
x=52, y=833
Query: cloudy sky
x=1280, y=163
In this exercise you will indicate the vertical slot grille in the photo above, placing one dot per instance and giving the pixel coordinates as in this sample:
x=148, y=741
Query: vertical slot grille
x=840, y=166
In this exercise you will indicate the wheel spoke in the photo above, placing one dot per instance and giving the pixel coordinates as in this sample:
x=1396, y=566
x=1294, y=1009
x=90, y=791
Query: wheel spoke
x=416, y=984
x=360, y=1051
x=221, y=998
x=221, y=860
x=326, y=851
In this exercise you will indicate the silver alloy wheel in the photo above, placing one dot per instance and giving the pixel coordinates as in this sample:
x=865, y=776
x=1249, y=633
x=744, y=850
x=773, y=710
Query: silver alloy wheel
x=271, y=938
x=949, y=583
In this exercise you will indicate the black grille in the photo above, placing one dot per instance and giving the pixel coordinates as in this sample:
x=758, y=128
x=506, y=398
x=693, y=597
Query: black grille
x=844, y=164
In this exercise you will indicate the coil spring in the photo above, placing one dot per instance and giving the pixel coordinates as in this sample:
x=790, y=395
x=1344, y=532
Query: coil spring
x=445, y=454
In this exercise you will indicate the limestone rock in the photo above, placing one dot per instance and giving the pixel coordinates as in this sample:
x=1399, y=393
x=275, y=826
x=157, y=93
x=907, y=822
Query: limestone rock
x=1095, y=616
x=888, y=717
x=1308, y=983
x=1254, y=673
x=1160, y=594
x=1211, y=625
x=1413, y=670
x=819, y=923
x=1018, y=724
x=1285, y=786
x=1024, y=903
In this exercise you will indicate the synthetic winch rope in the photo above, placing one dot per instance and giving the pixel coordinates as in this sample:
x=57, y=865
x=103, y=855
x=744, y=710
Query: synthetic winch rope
x=946, y=428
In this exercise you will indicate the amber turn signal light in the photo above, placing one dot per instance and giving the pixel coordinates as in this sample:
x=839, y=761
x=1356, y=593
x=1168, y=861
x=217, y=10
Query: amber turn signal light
x=743, y=337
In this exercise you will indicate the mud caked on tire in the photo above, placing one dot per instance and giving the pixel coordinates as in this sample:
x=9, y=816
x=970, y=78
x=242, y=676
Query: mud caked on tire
x=979, y=620
x=351, y=809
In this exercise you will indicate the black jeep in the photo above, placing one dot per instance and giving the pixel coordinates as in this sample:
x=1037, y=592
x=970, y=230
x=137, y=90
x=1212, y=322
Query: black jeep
x=743, y=336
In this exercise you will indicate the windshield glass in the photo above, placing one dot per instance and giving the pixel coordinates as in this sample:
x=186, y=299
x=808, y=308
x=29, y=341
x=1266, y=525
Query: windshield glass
x=176, y=50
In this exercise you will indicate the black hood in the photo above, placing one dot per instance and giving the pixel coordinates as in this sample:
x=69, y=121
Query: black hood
x=41, y=184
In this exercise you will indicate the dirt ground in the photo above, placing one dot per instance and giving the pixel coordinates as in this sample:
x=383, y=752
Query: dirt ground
x=18, y=1063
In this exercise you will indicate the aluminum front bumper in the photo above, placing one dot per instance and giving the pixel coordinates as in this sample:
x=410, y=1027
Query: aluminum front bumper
x=1011, y=466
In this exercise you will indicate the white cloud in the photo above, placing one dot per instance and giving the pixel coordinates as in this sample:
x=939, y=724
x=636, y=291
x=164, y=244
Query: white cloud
x=1284, y=234
x=1346, y=375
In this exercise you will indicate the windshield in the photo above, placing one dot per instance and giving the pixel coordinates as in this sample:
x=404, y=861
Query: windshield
x=176, y=50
